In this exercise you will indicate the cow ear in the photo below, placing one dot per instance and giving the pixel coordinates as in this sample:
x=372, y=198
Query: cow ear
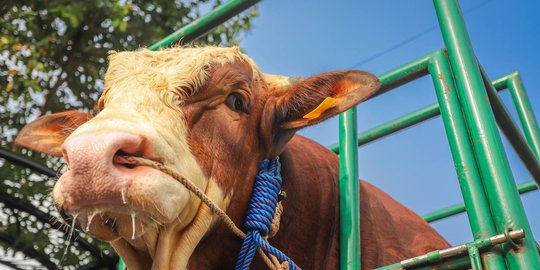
x=47, y=133
x=322, y=96
x=296, y=103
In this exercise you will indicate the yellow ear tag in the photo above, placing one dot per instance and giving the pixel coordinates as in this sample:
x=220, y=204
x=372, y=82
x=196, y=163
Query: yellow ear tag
x=326, y=104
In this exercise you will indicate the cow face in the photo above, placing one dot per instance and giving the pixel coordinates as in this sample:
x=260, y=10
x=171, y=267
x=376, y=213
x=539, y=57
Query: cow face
x=207, y=112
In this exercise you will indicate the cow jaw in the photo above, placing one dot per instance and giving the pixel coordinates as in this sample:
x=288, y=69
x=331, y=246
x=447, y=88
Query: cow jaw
x=129, y=208
x=171, y=246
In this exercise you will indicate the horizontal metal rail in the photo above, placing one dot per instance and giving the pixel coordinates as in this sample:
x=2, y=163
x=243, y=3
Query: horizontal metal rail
x=460, y=207
x=394, y=126
x=458, y=252
x=23, y=161
x=205, y=23
x=404, y=74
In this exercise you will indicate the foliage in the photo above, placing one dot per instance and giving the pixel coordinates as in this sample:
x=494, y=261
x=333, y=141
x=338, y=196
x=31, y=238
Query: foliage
x=52, y=58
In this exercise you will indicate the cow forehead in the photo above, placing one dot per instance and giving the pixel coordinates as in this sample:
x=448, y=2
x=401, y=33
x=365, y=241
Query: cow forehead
x=181, y=69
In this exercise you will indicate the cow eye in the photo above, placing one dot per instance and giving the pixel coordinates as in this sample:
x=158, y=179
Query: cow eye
x=235, y=102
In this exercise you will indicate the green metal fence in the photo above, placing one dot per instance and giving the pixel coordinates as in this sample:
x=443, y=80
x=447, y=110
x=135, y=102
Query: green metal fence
x=470, y=109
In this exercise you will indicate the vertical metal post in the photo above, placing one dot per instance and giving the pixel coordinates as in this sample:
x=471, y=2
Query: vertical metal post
x=502, y=193
x=470, y=181
x=474, y=257
x=349, y=192
x=121, y=265
x=525, y=113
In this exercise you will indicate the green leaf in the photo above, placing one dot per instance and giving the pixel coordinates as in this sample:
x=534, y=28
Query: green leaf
x=123, y=26
x=74, y=21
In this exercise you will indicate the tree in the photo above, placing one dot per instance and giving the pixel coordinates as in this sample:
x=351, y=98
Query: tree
x=52, y=58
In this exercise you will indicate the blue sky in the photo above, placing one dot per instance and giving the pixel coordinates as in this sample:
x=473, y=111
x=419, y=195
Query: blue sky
x=303, y=38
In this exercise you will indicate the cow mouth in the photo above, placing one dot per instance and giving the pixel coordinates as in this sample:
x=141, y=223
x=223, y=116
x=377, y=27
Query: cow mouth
x=135, y=204
x=110, y=224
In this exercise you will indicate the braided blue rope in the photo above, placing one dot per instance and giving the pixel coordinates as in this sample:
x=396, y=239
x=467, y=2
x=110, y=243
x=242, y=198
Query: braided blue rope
x=262, y=208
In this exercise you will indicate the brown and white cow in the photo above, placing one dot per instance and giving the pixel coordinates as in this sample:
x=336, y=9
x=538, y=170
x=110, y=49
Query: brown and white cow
x=212, y=115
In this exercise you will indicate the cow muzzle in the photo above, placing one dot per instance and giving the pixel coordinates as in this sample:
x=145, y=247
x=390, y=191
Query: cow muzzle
x=111, y=200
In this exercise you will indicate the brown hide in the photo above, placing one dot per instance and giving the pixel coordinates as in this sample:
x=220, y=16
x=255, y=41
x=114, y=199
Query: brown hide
x=310, y=221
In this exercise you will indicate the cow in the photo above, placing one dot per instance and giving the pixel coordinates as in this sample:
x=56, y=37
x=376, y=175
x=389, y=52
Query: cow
x=212, y=115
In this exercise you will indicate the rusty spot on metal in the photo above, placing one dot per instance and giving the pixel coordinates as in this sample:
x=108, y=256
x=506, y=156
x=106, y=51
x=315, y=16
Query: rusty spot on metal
x=446, y=87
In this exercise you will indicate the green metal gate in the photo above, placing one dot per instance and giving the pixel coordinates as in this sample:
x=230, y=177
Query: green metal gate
x=471, y=109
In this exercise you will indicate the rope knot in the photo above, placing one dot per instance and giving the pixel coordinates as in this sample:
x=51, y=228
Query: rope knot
x=262, y=206
x=261, y=211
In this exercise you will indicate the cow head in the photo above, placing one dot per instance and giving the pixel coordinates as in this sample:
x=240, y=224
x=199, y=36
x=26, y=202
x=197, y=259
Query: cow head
x=207, y=112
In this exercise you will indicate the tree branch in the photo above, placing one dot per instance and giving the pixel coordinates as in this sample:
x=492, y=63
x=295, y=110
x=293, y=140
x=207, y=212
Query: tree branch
x=56, y=86
x=60, y=81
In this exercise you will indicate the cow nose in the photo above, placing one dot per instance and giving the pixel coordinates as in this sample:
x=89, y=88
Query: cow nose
x=92, y=177
x=96, y=151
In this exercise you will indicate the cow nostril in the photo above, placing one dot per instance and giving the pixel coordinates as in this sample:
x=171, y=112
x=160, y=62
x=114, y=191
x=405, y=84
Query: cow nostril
x=129, y=166
x=126, y=165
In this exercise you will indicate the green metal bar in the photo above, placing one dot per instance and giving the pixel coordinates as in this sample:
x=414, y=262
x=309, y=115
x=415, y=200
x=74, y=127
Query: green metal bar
x=403, y=74
x=511, y=131
x=470, y=181
x=459, y=263
x=460, y=207
x=474, y=257
x=205, y=23
x=349, y=193
x=394, y=126
x=514, y=83
x=502, y=82
x=121, y=265
x=434, y=259
x=502, y=193
x=445, y=212
x=525, y=113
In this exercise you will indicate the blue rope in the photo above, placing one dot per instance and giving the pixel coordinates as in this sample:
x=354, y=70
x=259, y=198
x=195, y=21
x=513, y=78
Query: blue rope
x=262, y=208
